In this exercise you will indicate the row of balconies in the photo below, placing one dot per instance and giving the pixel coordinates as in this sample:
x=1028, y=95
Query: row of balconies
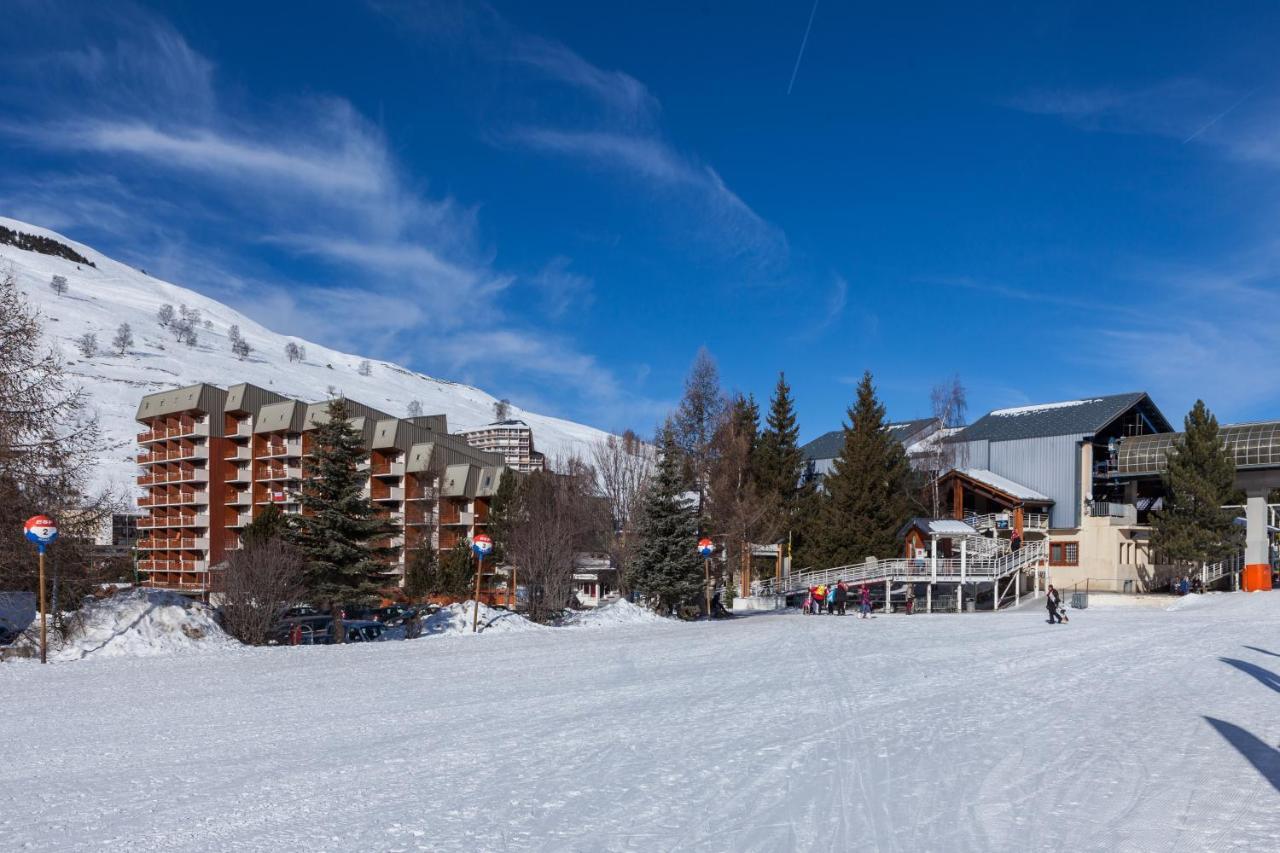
x=184, y=497
x=173, y=543
x=190, y=451
x=386, y=468
x=174, y=520
x=279, y=472
x=173, y=565
x=175, y=428
x=181, y=474
x=274, y=449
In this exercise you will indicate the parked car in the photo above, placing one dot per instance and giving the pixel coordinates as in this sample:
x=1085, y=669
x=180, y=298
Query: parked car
x=363, y=631
x=315, y=629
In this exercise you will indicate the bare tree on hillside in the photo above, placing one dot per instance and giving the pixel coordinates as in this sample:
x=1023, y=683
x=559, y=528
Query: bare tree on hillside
x=624, y=466
x=241, y=348
x=415, y=409
x=58, y=284
x=260, y=582
x=123, y=339
x=294, y=352
x=87, y=344
x=501, y=410
x=165, y=314
x=365, y=368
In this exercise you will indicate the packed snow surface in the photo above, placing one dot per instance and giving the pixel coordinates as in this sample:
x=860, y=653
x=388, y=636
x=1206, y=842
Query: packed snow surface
x=142, y=623
x=99, y=299
x=1041, y=407
x=1125, y=730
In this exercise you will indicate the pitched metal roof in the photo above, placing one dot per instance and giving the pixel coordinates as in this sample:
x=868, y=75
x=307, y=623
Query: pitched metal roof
x=1069, y=417
x=828, y=445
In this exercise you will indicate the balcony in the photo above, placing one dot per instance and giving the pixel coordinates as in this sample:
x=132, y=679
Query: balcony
x=240, y=498
x=239, y=519
x=173, y=565
x=281, y=472
x=239, y=453
x=182, y=428
x=379, y=492
x=420, y=493
x=464, y=519
x=1119, y=513
x=242, y=474
x=387, y=469
x=173, y=543
x=182, y=475
x=195, y=451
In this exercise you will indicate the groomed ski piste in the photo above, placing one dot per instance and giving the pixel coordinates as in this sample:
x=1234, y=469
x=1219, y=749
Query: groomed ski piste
x=1133, y=728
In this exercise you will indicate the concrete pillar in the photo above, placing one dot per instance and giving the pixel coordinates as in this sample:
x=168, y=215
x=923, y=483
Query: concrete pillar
x=888, y=606
x=1257, y=559
x=928, y=599
x=933, y=557
x=1017, y=586
x=964, y=564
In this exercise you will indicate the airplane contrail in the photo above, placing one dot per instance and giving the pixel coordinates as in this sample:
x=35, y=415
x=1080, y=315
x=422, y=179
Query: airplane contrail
x=1221, y=115
x=803, y=42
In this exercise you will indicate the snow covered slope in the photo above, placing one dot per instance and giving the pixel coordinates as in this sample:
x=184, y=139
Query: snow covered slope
x=99, y=299
x=1126, y=730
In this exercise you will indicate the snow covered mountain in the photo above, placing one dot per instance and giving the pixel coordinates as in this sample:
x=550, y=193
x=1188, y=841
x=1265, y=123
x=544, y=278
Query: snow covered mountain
x=101, y=296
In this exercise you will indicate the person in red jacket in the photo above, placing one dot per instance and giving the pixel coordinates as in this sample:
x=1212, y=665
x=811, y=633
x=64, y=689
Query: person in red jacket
x=864, y=601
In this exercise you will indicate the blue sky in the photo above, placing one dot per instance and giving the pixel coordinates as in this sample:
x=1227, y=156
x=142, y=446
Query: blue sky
x=561, y=202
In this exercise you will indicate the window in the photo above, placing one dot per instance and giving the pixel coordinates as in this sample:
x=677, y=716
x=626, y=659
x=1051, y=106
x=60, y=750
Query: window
x=1064, y=553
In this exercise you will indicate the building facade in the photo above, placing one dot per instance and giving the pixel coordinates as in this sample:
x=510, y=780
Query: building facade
x=513, y=439
x=213, y=459
x=915, y=437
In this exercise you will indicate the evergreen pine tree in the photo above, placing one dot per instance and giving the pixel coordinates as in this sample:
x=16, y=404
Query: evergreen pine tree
x=339, y=527
x=666, y=567
x=456, y=576
x=867, y=492
x=269, y=524
x=1193, y=527
x=779, y=462
x=501, y=510
x=420, y=573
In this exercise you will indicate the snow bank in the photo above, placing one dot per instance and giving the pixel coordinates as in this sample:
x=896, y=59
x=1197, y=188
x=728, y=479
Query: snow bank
x=143, y=623
x=612, y=615
x=1041, y=407
x=455, y=619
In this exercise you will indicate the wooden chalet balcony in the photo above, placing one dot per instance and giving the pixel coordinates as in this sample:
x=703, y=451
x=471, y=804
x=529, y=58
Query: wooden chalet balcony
x=275, y=448
x=464, y=519
x=280, y=472
x=237, y=497
x=419, y=493
x=173, y=565
x=418, y=516
x=185, y=497
x=239, y=519
x=174, y=520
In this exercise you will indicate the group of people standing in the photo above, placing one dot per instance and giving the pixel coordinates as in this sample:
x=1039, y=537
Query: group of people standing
x=835, y=598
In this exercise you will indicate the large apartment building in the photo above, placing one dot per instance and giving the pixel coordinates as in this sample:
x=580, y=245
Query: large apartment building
x=212, y=459
x=513, y=439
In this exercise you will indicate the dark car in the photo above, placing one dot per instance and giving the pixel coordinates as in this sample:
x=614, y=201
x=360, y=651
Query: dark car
x=315, y=629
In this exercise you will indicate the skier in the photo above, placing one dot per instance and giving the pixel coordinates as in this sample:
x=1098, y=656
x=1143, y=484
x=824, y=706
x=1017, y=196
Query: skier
x=1051, y=603
x=864, y=601
x=842, y=595
x=819, y=597
x=831, y=599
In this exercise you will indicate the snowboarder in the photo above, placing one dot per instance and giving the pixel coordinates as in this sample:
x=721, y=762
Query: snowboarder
x=1052, y=603
x=864, y=601
x=842, y=596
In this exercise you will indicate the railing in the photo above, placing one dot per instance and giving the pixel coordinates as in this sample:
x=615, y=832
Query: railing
x=173, y=566
x=911, y=569
x=184, y=497
x=1005, y=521
x=173, y=544
x=1215, y=572
x=195, y=451
x=182, y=475
x=184, y=427
x=386, y=468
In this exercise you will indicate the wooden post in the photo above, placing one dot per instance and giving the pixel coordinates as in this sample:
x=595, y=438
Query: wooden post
x=957, y=500
x=746, y=570
x=777, y=571
x=44, y=625
x=706, y=583
x=511, y=593
x=475, y=610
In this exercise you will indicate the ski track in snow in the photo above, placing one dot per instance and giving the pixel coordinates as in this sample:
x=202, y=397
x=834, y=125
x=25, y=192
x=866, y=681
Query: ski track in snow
x=770, y=732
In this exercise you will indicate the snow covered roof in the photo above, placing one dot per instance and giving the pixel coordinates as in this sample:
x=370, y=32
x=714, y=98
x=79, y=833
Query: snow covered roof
x=942, y=527
x=1005, y=485
x=1086, y=416
x=828, y=445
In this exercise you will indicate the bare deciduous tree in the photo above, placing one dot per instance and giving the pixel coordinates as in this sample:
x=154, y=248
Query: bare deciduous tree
x=123, y=339
x=87, y=344
x=502, y=410
x=294, y=352
x=949, y=405
x=415, y=409
x=164, y=315
x=365, y=368
x=58, y=284
x=259, y=583
x=49, y=442
x=556, y=516
x=624, y=466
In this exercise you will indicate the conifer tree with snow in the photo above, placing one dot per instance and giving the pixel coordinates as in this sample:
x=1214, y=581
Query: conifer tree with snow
x=340, y=531
x=666, y=567
x=123, y=339
x=1193, y=527
x=867, y=494
x=502, y=510
x=420, y=572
